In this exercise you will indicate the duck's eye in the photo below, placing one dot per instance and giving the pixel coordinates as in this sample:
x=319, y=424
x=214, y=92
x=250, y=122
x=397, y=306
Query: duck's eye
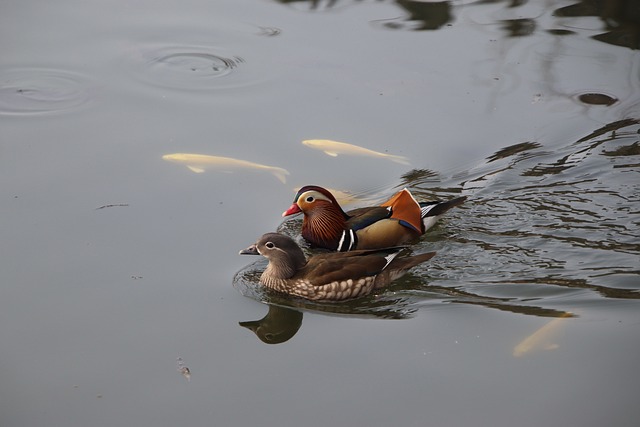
x=309, y=199
x=270, y=245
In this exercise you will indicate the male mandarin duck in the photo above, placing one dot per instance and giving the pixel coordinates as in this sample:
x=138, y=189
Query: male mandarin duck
x=329, y=276
x=395, y=222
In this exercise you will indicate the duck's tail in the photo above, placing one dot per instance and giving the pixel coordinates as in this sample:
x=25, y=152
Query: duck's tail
x=432, y=211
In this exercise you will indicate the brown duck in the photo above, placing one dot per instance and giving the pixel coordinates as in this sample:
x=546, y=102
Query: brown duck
x=329, y=276
x=397, y=221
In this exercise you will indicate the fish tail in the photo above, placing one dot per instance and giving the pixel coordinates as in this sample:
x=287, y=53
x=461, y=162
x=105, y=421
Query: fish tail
x=280, y=173
x=398, y=159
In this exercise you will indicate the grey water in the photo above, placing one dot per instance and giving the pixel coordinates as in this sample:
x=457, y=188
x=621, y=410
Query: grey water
x=123, y=300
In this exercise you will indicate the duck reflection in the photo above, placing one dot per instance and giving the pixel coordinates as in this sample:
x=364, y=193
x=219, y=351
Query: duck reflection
x=279, y=325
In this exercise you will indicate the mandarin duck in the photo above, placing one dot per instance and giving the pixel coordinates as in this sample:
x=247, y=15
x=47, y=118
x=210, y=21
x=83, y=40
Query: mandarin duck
x=395, y=222
x=329, y=276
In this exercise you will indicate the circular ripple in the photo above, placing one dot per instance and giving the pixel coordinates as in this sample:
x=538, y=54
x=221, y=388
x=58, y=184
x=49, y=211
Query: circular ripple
x=40, y=91
x=189, y=68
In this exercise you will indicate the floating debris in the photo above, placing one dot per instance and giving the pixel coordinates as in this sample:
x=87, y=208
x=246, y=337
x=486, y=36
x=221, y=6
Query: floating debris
x=114, y=205
x=184, y=370
x=597, y=99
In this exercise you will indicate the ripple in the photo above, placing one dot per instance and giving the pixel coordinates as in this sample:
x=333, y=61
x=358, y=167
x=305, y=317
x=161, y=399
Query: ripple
x=190, y=68
x=28, y=91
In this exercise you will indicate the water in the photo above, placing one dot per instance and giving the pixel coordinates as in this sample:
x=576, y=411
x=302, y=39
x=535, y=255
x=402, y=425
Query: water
x=120, y=270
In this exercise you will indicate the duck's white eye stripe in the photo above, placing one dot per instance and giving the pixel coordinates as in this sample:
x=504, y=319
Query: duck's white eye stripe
x=270, y=245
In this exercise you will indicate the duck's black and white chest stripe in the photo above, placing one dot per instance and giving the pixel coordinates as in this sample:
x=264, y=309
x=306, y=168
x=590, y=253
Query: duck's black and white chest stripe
x=348, y=241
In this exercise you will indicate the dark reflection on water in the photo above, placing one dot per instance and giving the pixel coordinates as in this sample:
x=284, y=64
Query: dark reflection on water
x=279, y=325
x=312, y=4
x=421, y=16
x=561, y=32
x=625, y=150
x=620, y=18
x=519, y=27
x=419, y=176
x=574, y=158
x=609, y=128
x=513, y=150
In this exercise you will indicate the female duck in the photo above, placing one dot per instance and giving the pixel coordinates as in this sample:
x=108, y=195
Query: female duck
x=329, y=276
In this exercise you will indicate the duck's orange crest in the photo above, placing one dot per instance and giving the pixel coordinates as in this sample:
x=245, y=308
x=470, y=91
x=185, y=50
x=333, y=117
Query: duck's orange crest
x=406, y=208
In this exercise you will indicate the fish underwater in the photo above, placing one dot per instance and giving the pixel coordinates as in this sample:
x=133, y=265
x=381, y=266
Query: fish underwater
x=541, y=338
x=334, y=148
x=198, y=163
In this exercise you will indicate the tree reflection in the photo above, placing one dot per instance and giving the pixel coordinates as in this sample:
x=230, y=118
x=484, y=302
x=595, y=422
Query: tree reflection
x=621, y=18
x=423, y=16
x=519, y=27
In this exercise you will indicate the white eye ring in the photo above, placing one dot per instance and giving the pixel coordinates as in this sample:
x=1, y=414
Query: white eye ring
x=269, y=245
x=309, y=199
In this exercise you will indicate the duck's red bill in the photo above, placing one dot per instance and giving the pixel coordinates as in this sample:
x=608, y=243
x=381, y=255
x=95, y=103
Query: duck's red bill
x=293, y=209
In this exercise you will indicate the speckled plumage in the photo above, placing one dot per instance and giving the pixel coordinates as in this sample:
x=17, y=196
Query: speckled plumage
x=396, y=222
x=328, y=276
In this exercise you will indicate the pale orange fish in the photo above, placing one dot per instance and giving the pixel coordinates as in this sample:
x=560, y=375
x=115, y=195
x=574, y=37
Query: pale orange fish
x=198, y=163
x=540, y=339
x=334, y=148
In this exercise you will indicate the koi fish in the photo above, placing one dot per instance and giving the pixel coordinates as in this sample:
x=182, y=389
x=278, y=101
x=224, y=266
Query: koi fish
x=333, y=148
x=539, y=340
x=198, y=163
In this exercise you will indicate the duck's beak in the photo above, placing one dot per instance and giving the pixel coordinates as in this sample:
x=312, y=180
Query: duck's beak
x=251, y=250
x=293, y=209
